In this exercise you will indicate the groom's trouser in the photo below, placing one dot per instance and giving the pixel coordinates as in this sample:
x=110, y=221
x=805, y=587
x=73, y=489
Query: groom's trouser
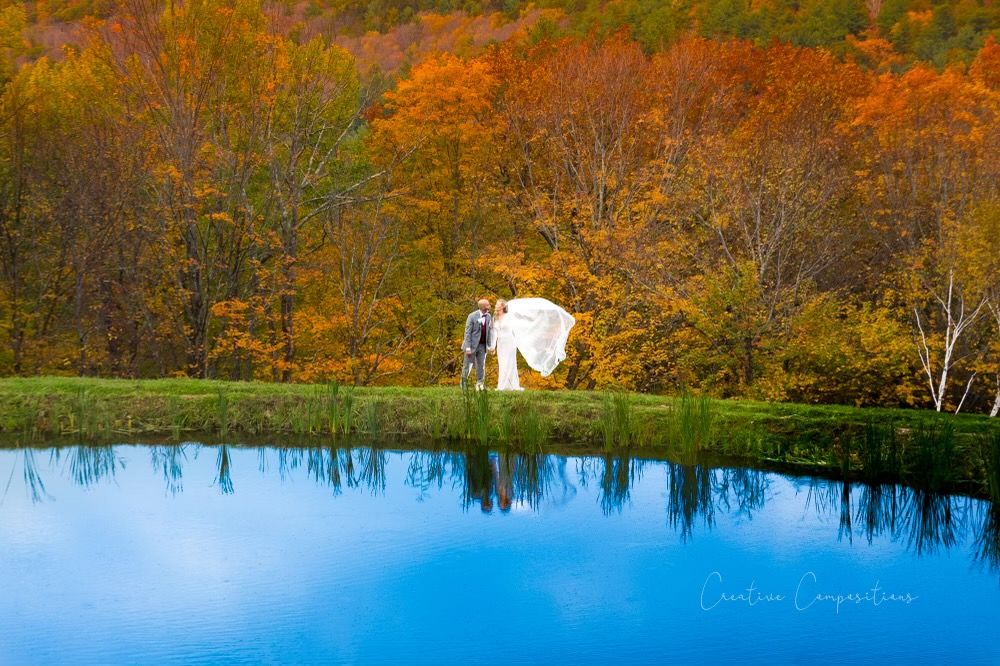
x=478, y=356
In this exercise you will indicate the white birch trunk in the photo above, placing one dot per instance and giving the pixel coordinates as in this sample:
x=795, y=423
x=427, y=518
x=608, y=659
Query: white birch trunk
x=956, y=324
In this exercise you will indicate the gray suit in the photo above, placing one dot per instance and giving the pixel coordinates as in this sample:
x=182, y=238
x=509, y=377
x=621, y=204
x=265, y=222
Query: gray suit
x=472, y=340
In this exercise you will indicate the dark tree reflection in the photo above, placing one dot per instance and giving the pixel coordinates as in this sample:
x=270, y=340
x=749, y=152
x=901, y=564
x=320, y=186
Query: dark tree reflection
x=926, y=521
x=431, y=469
x=616, y=481
x=224, y=478
x=690, y=497
x=696, y=496
x=89, y=465
x=742, y=491
x=933, y=521
x=32, y=478
x=987, y=546
x=169, y=461
x=881, y=509
x=532, y=476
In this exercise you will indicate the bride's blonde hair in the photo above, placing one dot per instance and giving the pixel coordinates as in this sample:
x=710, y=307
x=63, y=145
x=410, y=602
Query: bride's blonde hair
x=501, y=303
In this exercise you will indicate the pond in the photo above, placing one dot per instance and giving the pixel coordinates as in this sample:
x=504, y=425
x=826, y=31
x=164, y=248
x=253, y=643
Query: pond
x=246, y=554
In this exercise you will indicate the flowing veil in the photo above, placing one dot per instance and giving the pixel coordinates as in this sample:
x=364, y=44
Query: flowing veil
x=541, y=329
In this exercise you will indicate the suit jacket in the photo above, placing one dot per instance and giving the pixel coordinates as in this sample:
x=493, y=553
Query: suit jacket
x=473, y=330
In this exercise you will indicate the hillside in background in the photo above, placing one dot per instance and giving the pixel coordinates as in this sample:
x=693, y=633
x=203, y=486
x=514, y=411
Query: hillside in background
x=397, y=33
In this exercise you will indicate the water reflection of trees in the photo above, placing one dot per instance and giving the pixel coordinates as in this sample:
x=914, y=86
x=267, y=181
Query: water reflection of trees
x=695, y=496
x=696, y=492
x=32, y=478
x=224, y=478
x=169, y=462
x=987, y=542
x=927, y=522
x=332, y=466
x=89, y=465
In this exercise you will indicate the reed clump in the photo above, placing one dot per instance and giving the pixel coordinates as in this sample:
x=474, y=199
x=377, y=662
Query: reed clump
x=519, y=422
x=691, y=423
x=933, y=456
x=616, y=421
x=372, y=424
x=222, y=413
x=339, y=409
x=878, y=451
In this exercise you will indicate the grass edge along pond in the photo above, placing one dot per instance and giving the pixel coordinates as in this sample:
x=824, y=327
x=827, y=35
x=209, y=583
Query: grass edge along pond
x=936, y=451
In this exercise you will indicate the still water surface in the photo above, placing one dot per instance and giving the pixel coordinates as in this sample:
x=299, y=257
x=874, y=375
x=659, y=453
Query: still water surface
x=226, y=554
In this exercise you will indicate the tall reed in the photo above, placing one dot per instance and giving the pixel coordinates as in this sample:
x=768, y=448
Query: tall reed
x=373, y=418
x=878, y=450
x=346, y=412
x=519, y=422
x=477, y=423
x=222, y=413
x=468, y=412
x=933, y=465
x=616, y=421
x=333, y=409
x=176, y=416
x=483, y=421
x=85, y=414
x=691, y=422
x=534, y=428
x=437, y=423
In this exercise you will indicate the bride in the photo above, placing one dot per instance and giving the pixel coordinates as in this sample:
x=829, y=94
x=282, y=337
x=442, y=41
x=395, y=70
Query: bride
x=535, y=327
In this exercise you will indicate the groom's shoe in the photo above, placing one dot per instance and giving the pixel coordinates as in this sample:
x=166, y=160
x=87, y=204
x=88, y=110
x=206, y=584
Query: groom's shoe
x=479, y=386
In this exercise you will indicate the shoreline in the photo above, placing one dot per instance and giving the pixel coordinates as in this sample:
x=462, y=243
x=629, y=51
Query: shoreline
x=917, y=447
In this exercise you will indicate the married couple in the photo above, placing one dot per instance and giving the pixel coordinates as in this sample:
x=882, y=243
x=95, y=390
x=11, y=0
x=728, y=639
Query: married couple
x=535, y=327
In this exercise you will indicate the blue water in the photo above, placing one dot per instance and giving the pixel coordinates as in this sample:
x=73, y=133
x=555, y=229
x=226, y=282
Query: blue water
x=204, y=554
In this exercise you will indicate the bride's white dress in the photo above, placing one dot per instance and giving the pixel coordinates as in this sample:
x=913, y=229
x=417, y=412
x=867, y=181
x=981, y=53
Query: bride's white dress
x=507, y=377
x=538, y=329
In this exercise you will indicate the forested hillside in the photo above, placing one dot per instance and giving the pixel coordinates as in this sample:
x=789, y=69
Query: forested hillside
x=940, y=33
x=796, y=202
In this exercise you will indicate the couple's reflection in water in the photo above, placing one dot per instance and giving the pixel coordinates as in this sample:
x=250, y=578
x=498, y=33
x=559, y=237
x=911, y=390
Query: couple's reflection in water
x=695, y=496
x=487, y=475
x=502, y=479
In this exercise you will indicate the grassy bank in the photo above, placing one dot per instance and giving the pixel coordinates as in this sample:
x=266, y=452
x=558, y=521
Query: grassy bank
x=921, y=447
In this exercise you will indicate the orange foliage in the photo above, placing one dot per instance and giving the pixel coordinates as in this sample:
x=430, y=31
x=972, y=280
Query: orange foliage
x=736, y=218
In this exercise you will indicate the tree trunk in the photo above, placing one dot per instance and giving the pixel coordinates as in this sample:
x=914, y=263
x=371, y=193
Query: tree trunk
x=996, y=402
x=291, y=248
x=748, y=361
x=196, y=308
x=81, y=327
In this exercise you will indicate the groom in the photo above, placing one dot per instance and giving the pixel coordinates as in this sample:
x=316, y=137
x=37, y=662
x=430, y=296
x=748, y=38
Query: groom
x=479, y=337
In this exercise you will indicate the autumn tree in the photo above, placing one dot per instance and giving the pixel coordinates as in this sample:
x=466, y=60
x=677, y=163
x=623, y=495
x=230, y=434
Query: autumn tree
x=310, y=153
x=929, y=156
x=576, y=121
x=773, y=212
x=441, y=119
x=249, y=130
x=186, y=70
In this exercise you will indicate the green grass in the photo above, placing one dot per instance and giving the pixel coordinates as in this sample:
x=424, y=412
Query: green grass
x=867, y=444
